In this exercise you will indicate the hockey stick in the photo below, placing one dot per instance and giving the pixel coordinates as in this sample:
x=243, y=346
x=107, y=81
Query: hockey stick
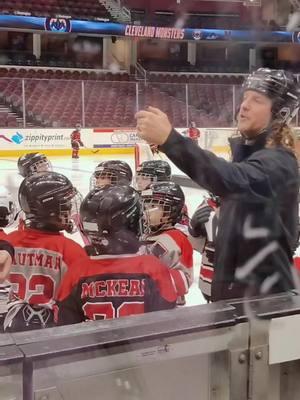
x=93, y=151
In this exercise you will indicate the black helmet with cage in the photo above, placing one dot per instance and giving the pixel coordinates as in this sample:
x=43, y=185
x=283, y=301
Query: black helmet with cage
x=32, y=163
x=165, y=200
x=111, y=172
x=152, y=171
x=48, y=200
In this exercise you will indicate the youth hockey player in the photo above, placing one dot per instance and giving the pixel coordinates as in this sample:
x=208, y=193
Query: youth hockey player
x=158, y=171
x=76, y=141
x=163, y=202
x=42, y=253
x=116, y=281
x=193, y=132
x=152, y=171
x=31, y=163
x=112, y=172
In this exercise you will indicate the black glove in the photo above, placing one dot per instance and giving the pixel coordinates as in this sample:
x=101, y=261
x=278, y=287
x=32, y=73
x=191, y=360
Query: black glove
x=199, y=219
x=81, y=144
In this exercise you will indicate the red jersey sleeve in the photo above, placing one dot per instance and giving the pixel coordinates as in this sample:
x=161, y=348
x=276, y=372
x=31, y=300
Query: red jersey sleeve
x=162, y=277
x=68, y=306
x=74, y=253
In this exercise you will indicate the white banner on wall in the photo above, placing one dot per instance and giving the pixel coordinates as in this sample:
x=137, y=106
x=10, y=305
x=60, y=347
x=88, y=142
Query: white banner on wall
x=215, y=139
x=127, y=137
x=42, y=139
x=115, y=138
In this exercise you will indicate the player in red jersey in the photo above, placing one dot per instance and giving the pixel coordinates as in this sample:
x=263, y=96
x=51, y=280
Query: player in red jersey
x=116, y=281
x=150, y=172
x=158, y=171
x=42, y=254
x=76, y=141
x=193, y=132
x=31, y=163
x=163, y=203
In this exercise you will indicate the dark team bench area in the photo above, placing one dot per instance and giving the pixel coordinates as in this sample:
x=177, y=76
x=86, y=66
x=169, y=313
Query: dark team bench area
x=224, y=350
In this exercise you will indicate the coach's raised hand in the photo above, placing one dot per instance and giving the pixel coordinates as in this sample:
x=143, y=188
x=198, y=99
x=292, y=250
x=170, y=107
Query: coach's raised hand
x=153, y=125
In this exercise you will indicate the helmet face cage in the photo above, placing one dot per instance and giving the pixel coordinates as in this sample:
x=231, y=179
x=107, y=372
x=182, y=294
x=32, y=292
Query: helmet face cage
x=110, y=175
x=103, y=177
x=42, y=165
x=70, y=213
x=157, y=214
x=143, y=180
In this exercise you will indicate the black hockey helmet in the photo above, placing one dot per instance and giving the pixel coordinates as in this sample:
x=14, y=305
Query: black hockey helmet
x=170, y=197
x=116, y=171
x=31, y=163
x=111, y=218
x=48, y=200
x=154, y=170
x=160, y=170
x=281, y=87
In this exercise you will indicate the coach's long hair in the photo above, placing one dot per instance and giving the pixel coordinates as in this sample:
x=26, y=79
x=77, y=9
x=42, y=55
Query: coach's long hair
x=281, y=135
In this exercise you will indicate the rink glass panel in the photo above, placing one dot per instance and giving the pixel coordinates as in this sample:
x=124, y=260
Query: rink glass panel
x=211, y=105
x=53, y=103
x=171, y=98
x=109, y=104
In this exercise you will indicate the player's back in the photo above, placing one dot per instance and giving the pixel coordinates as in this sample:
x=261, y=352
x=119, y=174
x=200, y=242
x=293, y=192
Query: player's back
x=40, y=261
x=114, y=286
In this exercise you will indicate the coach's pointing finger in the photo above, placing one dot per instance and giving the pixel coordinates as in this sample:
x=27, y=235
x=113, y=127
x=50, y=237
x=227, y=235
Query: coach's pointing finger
x=153, y=125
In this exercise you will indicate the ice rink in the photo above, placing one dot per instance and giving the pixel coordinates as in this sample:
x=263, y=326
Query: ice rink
x=79, y=172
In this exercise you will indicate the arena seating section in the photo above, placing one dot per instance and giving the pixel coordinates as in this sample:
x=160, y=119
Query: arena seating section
x=87, y=9
x=53, y=98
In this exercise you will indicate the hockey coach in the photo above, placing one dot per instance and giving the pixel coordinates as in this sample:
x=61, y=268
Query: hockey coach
x=257, y=231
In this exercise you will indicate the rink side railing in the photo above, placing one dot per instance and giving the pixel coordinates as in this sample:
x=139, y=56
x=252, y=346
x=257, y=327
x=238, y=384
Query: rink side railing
x=215, y=351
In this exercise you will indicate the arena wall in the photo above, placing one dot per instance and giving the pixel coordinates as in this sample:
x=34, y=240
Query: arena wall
x=15, y=142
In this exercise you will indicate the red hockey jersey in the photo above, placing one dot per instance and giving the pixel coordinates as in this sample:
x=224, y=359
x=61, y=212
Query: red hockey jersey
x=75, y=136
x=3, y=235
x=41, y=259
x=104, y=287
x=174, y=249
x=194, y=133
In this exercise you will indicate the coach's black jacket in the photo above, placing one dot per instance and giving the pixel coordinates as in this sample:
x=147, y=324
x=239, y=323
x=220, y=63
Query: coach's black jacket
x=257, y=232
